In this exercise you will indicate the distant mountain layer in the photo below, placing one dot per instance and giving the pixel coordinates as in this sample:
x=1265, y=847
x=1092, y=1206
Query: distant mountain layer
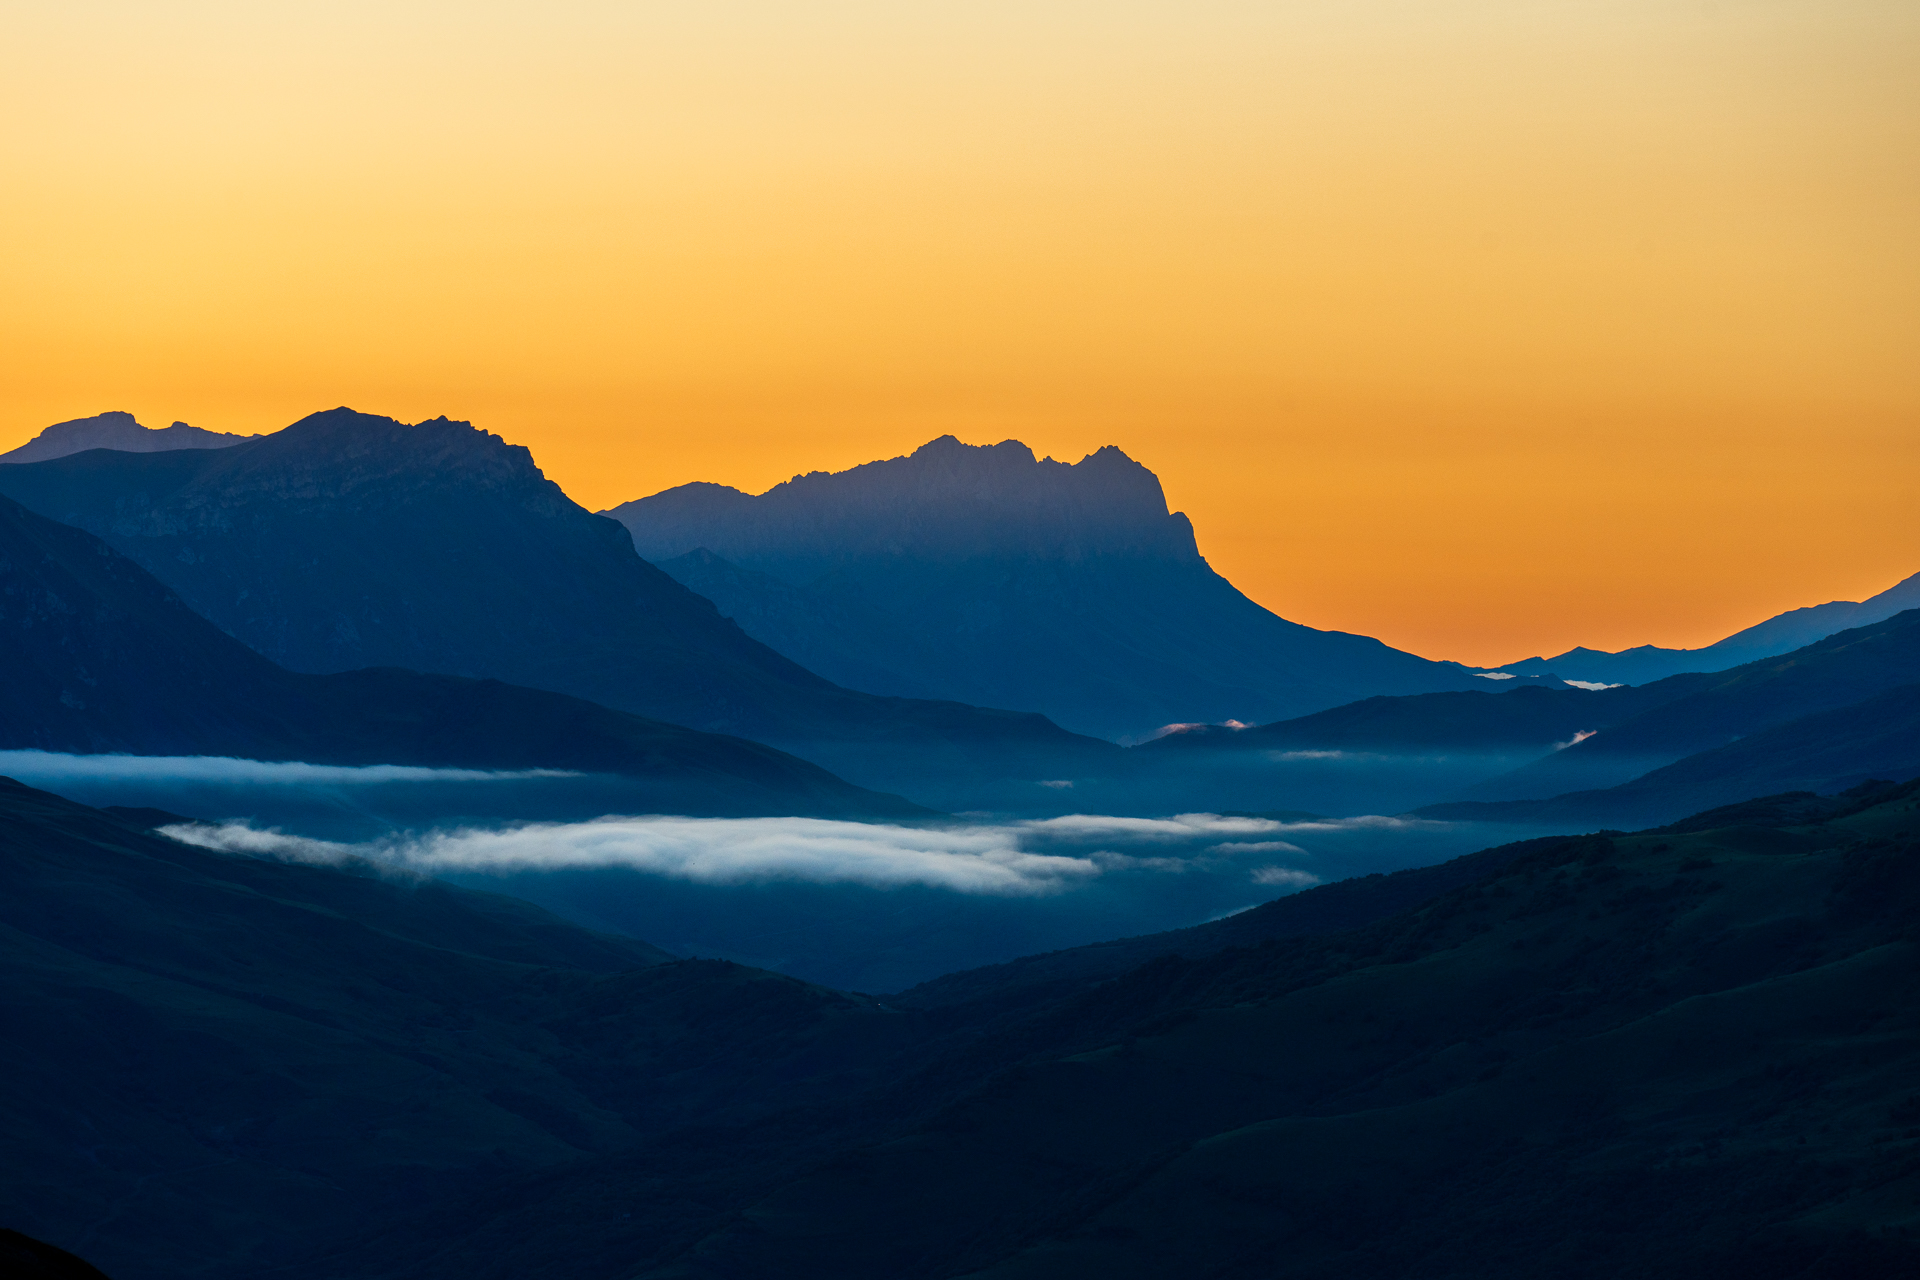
x=100, y=657
x=117, y=431
x=1877, y=737
x=1529, y=716
x=986, y=575
x=1590, y=740
x=1777, y=635
x=1725, y=707
x=347, y=541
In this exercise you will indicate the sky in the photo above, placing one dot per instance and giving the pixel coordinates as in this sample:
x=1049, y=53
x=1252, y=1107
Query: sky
x=1486, y=327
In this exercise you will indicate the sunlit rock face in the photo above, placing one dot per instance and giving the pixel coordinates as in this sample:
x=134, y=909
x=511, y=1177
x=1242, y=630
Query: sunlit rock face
x=984, y=574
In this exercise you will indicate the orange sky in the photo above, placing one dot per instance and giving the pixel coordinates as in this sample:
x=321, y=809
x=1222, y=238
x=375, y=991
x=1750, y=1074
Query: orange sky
x=1488, y=327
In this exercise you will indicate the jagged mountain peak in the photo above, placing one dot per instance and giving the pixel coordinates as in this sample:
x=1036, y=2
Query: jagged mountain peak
x=946, y=500
x=448, y=448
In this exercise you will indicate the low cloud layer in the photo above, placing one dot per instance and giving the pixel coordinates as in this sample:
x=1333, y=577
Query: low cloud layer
x=50, y=767
x=1013, y=859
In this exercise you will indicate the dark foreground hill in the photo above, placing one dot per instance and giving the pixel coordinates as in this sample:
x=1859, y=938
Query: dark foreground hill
x=348, y=541
x=986, y=575
x=1682, y=1053
x=1670, y=1054
x=219, y=1066
x=100, y=657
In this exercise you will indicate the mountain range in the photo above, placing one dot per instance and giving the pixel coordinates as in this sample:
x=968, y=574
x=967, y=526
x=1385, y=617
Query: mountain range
x=1708, y=1031
x=101, y=657
x=347, y=541
x=1825, y=716
x=986, y=575
x=1779, y=634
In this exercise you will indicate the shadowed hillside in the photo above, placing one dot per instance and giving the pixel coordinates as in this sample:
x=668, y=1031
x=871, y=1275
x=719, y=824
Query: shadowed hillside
x=217, y=1065
x=100, y=657
x=1683, y=1052
x=1656, y=1055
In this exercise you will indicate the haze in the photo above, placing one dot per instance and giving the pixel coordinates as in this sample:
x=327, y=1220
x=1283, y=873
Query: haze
x=1487, y=329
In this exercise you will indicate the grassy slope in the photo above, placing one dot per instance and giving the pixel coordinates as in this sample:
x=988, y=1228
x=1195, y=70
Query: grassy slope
x=1661, y=1054
x=219, y=1065
x=1599, y=1056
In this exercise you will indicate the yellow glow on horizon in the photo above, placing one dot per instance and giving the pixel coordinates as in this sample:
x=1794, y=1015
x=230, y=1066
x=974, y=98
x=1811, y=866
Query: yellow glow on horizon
x=1486, y=328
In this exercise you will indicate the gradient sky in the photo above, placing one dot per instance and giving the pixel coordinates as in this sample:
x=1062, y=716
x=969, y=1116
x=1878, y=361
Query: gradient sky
x=1488, y=327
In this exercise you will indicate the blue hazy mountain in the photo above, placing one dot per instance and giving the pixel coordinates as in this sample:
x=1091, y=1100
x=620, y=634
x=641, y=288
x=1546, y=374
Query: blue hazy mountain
x=983, y=574
x=1722, y=708
x=1822, y=717
x=1528, y=717
x=118, y=431
x=1777, y=635
x=1822, y=752
x=347, y=541
x=101, y=657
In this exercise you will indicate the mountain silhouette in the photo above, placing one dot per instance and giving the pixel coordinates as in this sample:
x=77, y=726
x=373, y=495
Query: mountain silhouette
x=983, y=574
x=101, y=657
x=347, y=541
x=118, y=431
x=1780, y=634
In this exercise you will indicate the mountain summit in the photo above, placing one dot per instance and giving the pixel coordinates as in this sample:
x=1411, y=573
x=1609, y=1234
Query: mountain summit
x=984, y=574
x=117, y=430
x=945, y=502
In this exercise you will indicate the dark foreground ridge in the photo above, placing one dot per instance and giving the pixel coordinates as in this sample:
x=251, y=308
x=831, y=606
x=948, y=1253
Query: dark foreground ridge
x=24, y=1258
x=1687, y=1052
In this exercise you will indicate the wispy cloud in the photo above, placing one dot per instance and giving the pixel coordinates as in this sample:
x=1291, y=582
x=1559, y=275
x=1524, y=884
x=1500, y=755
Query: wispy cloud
x=1256, y=846
x=42, y=766
x=1286, y=876
x=707, y=850
x=1007, y=859
x=1182, y=826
